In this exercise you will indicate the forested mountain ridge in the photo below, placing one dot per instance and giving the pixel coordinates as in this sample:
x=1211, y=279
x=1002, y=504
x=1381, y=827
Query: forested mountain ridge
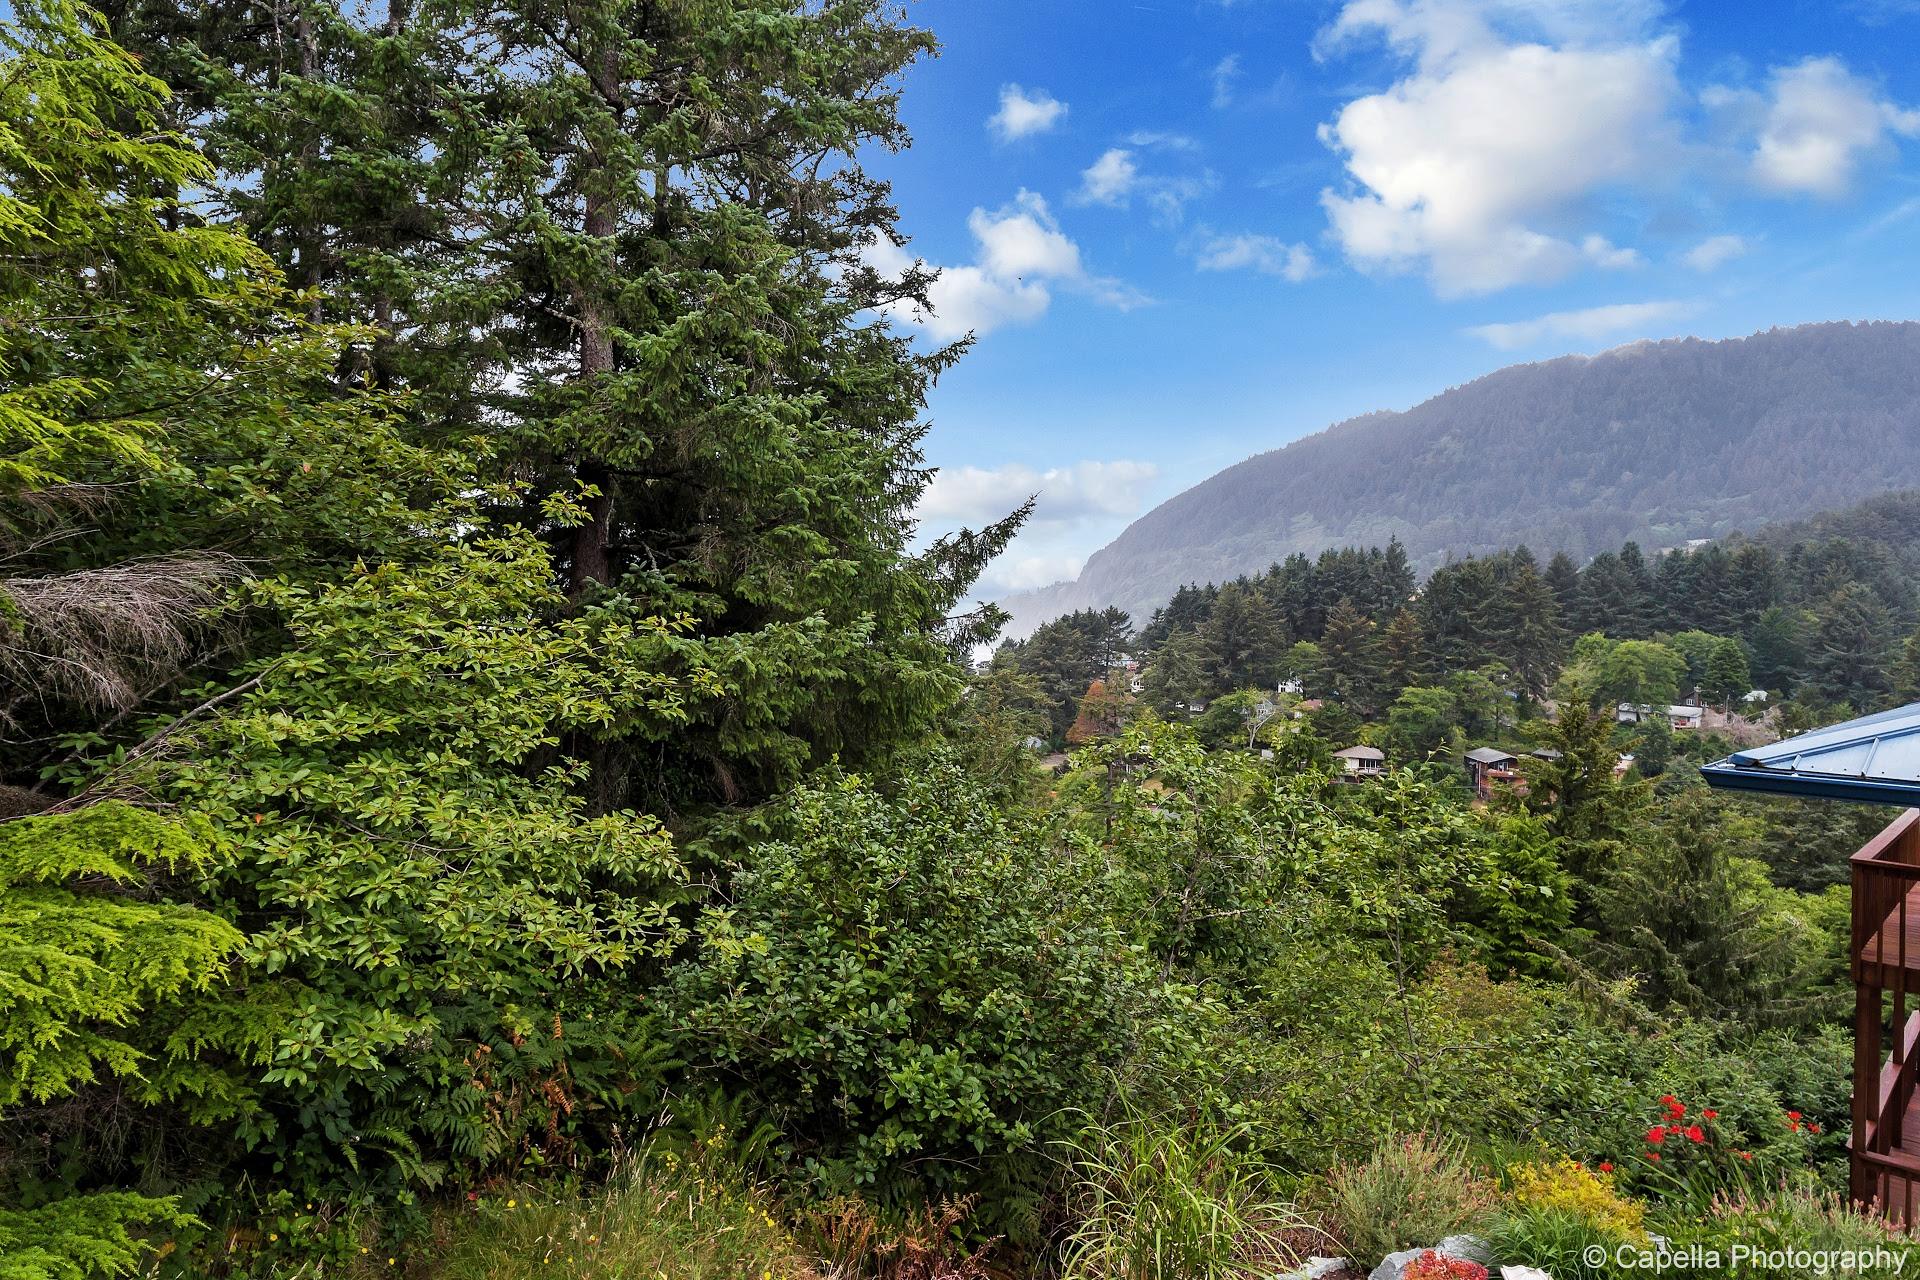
x=1658, y=442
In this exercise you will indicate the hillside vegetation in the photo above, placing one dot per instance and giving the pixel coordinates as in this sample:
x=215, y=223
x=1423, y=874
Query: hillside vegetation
x=1658, y=442
x=488, y=787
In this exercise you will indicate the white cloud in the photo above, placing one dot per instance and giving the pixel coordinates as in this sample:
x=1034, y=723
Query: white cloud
x=1268, y=255
x=1079, y=508
x=1021, y=256
x=1821, y=122
x=1590, y=325
x=1081, y=491
x=1014, y=571
x=1024, y=113
x=1115, y=179
x=1715, y=252
x=1512, y=118
x=1602, y=252
x=1110, y=180
x=1225, y=73
x=1162, y=138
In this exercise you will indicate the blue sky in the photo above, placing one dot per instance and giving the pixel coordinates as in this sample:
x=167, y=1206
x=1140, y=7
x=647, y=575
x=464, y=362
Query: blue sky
x=1186, y=231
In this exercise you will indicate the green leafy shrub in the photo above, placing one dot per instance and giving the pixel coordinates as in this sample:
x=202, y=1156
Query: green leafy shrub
x=1413, y=1190
x=913, y=986
x=1567, y=1186
x=82, y=1236
x=439, y=925
x=98, y=985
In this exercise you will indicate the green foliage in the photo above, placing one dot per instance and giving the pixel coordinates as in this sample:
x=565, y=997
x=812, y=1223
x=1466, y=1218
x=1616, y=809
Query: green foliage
x=82, y=956
x=912, y=985
x=1064, y=656
x=1707, y=932
x=428, y=894
x=1158, y=1199
x=1772, y=1226
x=1557, y=1241
x=1413, y=1191
x=82, y=1236
x=1421, y=720
x=688, y=1217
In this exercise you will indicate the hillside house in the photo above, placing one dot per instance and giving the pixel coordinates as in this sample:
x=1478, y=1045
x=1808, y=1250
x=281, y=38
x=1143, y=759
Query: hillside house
x=1490, y=767
x=1679, y=716
x=1359, y=763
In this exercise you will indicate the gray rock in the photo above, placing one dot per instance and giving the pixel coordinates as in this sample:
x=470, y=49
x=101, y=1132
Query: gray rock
x=1469, y=1248
x=1394, y=1265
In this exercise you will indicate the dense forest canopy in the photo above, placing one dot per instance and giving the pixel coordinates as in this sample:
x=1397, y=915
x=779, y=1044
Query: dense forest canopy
x=488, y=789
x=1657, y=443
x=1822, y=613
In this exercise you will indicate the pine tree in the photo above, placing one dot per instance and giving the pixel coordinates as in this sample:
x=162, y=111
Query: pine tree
x=1779, y=638
x=1588, y=808
x=1403, y=658
x=1244, y=641
x=1727, y=674
x=1848, y=662
x=1563, y=579
x=645, y=240
x=1177, y=676
x=1349, y=657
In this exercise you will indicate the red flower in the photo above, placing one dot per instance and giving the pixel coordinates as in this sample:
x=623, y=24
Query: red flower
x=1656, y=1135
x=1606, y=1166
x=1667, y=1099
x=1744, y=1155
x=1653, y=1155
x=1708, y=1113
x=1813, y=1128
x=1696, y=1134
x=1793, y=1115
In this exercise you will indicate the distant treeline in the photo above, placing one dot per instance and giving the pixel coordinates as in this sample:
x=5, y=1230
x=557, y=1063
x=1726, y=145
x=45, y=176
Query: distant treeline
x=1821, y=610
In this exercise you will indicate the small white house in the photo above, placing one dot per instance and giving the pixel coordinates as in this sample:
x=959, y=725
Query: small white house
x=1361, y=762
x=1678, y=716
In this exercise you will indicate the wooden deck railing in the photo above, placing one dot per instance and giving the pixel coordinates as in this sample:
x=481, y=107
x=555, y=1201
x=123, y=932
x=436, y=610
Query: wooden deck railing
x=1885, y=1165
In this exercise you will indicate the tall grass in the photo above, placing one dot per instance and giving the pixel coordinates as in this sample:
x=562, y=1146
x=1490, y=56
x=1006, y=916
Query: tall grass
x=1159, y=1200
x=665, y=1217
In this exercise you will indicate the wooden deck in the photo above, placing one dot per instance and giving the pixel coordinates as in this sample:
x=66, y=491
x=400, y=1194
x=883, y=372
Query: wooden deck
x=1895, y=944
x=1885, y=953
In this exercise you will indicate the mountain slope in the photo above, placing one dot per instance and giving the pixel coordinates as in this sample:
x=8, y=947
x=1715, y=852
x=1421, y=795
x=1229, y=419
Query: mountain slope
x=1657, y=441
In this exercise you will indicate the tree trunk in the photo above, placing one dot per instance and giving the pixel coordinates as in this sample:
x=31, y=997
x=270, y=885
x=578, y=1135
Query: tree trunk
x=592, y=561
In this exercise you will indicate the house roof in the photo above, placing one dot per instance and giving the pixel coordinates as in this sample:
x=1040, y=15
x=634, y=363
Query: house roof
x=1490, y=755
x=1875, y=758
x=1360, y=753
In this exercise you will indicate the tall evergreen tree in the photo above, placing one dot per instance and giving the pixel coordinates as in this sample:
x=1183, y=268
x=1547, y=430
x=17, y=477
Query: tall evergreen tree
x=642, y=248
x=1349, y=657
x=1403, y=657
x=1849, y=657
x=1244, y=640
x=1563, y=579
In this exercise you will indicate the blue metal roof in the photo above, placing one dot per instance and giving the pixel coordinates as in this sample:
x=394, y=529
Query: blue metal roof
x=1875, y=758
